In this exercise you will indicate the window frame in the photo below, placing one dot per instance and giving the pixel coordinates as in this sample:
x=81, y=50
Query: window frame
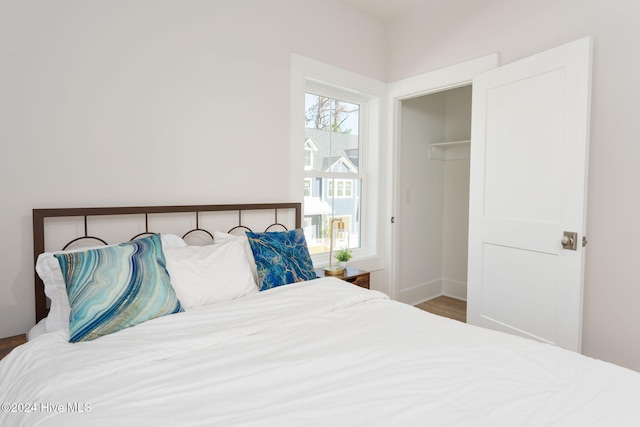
x=308, y=74
x=332, y=181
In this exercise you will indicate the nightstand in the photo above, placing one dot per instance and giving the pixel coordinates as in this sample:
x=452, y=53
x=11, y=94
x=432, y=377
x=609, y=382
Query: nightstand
x=351, y=275
x=8, y=344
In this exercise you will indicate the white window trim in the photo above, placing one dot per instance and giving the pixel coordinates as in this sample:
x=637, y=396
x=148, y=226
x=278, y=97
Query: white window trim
x=308, y=155
x=307, y=72
x=309, y=146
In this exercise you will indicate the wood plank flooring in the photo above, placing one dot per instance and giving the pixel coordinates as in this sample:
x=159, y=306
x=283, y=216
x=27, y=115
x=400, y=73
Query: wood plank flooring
x=8, y=344
x=447, y=307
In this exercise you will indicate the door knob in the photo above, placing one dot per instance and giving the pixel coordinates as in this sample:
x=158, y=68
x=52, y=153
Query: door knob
x=569, y=240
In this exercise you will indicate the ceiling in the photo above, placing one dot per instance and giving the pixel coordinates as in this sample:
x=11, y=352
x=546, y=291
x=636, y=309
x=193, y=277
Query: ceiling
x=388, y=10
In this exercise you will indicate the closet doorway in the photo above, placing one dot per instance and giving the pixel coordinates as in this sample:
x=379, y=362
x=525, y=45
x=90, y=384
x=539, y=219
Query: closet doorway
x=527, y=175
x=431, y=125
x=434, y=182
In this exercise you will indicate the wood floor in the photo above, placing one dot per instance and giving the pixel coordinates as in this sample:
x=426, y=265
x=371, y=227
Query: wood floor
x=447, y=307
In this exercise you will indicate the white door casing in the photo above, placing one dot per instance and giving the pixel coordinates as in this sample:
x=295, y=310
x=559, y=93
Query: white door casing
x=427, y=83
x=530, y=132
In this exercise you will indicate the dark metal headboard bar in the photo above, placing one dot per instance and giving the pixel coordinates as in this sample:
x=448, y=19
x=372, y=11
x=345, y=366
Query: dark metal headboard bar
x=39, y=216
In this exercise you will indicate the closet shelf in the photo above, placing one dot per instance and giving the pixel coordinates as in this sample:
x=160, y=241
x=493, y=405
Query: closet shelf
x=450, y=150
x=451, y=143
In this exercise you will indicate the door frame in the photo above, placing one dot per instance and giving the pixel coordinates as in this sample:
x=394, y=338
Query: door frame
x=451, y=77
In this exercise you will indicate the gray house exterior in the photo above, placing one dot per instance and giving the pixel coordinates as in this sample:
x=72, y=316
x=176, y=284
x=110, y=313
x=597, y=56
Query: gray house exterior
x=333, y=196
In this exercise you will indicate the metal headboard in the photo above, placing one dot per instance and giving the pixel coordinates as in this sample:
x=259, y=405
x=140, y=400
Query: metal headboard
x=39, y=216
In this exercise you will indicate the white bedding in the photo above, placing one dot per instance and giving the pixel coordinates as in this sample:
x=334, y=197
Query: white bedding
x=320, y=353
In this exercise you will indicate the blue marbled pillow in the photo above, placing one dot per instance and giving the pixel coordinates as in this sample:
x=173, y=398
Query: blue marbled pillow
x=282, y=257
x=116, y=287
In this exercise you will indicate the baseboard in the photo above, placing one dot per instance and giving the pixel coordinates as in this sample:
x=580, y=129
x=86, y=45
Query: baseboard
x=454, y=289
x=419, y=293
x=426, y=291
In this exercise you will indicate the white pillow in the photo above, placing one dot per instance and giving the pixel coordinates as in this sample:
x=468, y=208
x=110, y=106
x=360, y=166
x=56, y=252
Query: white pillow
x=55, y=289
x=220, y=237
x=203, y=275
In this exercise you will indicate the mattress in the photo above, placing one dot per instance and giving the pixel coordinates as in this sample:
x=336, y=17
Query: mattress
x=322, y=352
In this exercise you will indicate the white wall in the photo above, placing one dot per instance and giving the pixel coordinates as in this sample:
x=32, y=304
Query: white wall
x=459, y=30
x=434, y=212
x=422, y=184
x=455, y=225
x=119, y=102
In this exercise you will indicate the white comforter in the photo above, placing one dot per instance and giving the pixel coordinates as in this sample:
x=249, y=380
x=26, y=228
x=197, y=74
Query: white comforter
x=321, y=353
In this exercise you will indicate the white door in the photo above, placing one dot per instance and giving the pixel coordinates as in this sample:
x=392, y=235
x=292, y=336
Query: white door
x=528, y=185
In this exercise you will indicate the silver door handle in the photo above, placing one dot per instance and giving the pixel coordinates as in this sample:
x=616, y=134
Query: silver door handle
x=569, y=240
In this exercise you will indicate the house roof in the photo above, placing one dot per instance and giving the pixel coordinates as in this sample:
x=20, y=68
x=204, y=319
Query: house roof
x=329, y=147
x=315, y=206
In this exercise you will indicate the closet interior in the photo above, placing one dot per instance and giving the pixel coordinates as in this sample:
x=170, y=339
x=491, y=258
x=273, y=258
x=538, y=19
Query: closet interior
x=434, y=187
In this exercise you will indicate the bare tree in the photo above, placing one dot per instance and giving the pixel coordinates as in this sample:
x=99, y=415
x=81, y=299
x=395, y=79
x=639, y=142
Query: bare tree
x=329, y=114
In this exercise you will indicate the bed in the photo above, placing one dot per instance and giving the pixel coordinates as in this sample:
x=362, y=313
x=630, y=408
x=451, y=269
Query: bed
x=312, y=352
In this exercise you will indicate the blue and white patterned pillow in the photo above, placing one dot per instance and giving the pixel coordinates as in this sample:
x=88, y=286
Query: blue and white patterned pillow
x=116, y=287
x=282, y=257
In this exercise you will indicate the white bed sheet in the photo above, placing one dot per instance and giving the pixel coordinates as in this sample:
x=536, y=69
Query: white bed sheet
x=40, y=328
x=321, y=353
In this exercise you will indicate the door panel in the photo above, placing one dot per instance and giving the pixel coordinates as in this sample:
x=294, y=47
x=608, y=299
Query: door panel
x=532, y=140
x=521, y=290
x=528, y=184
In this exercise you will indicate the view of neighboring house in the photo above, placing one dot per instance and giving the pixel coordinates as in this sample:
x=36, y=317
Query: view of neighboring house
x=331, y=185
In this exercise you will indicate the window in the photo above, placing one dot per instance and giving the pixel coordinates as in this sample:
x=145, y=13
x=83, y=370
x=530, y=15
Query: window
x=309, y=148
x=307, y=187
x=344, y=188
x=333, y=166
x=335, y=157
